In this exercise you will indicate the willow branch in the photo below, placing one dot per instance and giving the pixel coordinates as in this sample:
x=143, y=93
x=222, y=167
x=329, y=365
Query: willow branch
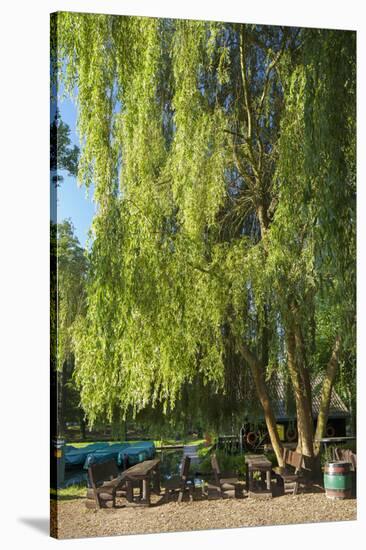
x=269, y=69
x=241, y=168
x=245, y=84
x=237, y=134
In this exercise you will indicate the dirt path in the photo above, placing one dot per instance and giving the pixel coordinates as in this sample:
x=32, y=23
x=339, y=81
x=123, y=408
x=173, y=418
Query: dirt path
x=74, y=520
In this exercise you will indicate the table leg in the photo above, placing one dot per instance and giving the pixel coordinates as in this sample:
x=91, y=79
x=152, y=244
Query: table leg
x=268, y=478
x=251, y=480
x=146, y=490
x=263, y=479
x=157, y=480
x=129, y=490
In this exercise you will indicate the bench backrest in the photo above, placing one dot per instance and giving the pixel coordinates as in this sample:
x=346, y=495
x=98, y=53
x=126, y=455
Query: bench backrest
x=347, y=455
x=354, y=460
x=292, y=458
x=104, y=471
x=215, y=467
x=185, y=468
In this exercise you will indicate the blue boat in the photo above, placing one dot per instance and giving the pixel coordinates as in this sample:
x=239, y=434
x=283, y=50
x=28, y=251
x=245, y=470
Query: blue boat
x=75, y=456
x=137, y=452
x=107, y=453
x=147, y=446
x=131, y=456
x=123, y=453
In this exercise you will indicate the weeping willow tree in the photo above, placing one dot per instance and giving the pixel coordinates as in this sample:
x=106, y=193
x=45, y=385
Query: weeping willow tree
x=222, y=157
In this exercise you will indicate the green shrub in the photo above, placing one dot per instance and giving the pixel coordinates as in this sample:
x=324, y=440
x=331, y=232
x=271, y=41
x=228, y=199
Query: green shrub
x=327, y=454
x=227, y=463
x=272, y=458
x=203, y=450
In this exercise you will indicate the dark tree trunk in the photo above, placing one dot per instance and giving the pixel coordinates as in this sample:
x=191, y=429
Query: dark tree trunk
x=60, y=404
x=303, y=405
x=83, y=428
x=326, y=395
x=258, y=375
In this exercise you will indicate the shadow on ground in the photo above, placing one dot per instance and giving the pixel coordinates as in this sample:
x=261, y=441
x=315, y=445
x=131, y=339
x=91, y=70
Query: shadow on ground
x=39, y=524
x=67, y=497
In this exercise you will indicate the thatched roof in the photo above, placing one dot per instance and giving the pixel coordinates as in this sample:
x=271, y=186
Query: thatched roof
x=284, y=405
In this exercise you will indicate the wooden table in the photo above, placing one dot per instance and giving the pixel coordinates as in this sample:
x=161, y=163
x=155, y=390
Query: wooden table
x=261, y=464
x=144, y=472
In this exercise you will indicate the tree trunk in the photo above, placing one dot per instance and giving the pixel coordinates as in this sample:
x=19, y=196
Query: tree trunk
x=303, y=406
x=303, y=369
x=327, y=388
x=265, y=339
x=263, y=219
x=82, y=427
x=60, y=403
x=257, y=372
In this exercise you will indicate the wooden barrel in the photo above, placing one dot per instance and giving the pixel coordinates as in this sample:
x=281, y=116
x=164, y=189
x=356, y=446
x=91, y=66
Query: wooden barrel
x=337, y=480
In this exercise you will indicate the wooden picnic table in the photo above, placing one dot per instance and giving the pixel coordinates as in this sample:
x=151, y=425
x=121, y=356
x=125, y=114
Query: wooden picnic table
x=143, y=472
x=261, y=464
x=252, y=457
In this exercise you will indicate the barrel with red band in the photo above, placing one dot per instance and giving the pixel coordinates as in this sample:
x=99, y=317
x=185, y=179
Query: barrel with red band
x=337, y=480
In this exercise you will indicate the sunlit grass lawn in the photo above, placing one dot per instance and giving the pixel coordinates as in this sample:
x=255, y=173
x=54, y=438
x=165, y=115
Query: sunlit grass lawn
x=69, y=493
x=157, y=442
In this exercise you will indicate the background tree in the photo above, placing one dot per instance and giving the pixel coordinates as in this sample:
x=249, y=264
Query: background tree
x=68, y=302
x=71, y=304
x=62, y=155
x=66, y=282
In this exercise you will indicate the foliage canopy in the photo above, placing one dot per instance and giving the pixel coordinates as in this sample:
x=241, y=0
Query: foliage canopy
x=223, y=160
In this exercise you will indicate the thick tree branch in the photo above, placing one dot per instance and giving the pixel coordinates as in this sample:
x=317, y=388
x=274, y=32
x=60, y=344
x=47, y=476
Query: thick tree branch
x=257, y=371
x=327, y=388
x=237, y=134
x=244, y=79
x=269, y=69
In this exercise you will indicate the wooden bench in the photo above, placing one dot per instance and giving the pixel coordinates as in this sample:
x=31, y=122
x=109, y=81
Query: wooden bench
x=346, y=455
x=106, y=483
x=181, y=484
x=226, y=483
x=290, y=476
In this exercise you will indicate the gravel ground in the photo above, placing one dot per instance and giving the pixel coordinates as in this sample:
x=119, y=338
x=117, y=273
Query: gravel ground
x=75, y=520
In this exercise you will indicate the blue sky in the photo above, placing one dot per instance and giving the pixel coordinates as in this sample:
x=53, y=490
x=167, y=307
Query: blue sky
x=74, y=202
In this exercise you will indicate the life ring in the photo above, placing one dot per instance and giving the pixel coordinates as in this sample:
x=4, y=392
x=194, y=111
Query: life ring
x=330, y=431
x=251, y=438
x=291, y=433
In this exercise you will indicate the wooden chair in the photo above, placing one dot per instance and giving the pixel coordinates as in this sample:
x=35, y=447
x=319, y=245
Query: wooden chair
x=225, y=482
x=106, y=483
x=290, y=476
x=180, y=483
x=346, y=455
x=353, y=458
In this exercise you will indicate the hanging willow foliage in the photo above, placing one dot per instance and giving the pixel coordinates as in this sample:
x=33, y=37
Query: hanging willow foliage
x=197, y=138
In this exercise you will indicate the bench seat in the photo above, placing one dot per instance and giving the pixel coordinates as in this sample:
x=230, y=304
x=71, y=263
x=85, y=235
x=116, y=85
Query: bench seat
x=106, y=483
x=290, y=476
